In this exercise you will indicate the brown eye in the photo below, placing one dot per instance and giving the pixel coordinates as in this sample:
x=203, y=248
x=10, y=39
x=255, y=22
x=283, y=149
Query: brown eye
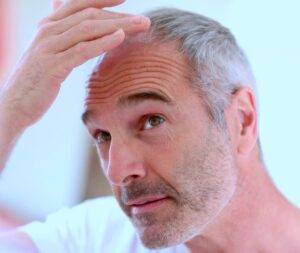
x=153, y=121
x=102, y=137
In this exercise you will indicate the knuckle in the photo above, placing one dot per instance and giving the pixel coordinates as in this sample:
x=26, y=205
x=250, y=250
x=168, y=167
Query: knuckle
x=86, y=27
x=43, y=22
x=92, y=13
x=44, y=47
x=46, y=29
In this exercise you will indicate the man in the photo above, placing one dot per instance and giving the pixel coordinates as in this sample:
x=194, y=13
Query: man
x=173, y=113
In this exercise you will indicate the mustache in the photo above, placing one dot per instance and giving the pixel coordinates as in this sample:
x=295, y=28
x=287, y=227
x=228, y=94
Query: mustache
x=143, y=189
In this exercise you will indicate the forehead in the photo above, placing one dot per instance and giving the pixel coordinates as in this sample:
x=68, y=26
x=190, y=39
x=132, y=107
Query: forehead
x=159, y=54
x=139, y=67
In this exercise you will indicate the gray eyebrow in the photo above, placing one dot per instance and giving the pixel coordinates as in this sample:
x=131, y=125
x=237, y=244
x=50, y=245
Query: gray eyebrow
x=134, y=99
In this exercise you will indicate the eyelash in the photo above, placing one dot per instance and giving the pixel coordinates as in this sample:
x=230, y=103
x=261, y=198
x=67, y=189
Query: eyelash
x=143, y=122
x=151, y=116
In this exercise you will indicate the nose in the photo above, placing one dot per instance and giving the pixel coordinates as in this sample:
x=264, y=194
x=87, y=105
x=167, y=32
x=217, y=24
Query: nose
x=125, y=163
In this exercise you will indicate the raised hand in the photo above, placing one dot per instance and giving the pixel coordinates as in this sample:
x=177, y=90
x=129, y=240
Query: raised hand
x=75, y=32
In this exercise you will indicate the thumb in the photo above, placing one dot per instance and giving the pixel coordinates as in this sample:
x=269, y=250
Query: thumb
x=56, y=4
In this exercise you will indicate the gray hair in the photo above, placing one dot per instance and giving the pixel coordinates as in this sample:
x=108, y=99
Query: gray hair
x=219, y=65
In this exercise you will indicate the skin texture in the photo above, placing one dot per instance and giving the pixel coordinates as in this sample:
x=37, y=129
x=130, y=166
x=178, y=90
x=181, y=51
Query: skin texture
x=75, y=32
x=220, y=197
x=186, y=157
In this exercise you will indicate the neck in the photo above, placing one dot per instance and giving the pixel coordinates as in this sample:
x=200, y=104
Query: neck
x=257, y=219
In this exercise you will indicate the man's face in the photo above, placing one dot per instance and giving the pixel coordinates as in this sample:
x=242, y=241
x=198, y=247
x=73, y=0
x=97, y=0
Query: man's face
x=170, y=168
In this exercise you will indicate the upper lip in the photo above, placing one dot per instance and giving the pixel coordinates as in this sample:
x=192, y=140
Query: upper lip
x=144, y=200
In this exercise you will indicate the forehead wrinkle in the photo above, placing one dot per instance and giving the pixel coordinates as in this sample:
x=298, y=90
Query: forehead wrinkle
x=132, y=77
x=135, y=71
x=137, y=97
x=136, y=79
x=127, y=83
x=141, y=88
x=123, y=66
x=147, y=58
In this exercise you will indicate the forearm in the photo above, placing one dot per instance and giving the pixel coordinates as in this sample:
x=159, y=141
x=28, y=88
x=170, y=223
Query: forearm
x=9, y=134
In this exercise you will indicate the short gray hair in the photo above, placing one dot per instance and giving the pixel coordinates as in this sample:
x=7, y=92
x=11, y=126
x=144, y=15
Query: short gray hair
x=218, y=63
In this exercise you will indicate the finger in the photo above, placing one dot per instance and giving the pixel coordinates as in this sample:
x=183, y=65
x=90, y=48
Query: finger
x=90, y=30
x=85, y=51
x=56, y=4
x=74, y=6
x=58, y=27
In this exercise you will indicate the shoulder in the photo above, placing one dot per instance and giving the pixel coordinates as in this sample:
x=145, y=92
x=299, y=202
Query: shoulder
x=89, y=225
x=100, y=207
x=97, y=225
x=103, y=204
x=102, y=213
x=108, y=223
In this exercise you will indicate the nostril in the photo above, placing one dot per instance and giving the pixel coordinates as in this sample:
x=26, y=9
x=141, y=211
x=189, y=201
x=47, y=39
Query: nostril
x=129, y=179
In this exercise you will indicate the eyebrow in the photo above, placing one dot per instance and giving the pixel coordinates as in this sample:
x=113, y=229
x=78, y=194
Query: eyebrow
x=139, y=97
x=135, y=99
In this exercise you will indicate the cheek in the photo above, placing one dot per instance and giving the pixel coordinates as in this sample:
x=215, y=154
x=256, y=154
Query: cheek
x=207, y=175
x=163, y=151
x=164, y=157
x=102, y=161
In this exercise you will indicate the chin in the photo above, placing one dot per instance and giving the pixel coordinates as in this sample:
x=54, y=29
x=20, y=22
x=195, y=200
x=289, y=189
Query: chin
x=164, y=236
x=157, y=241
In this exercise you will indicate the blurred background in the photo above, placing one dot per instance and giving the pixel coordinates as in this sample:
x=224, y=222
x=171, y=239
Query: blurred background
x=54, y=163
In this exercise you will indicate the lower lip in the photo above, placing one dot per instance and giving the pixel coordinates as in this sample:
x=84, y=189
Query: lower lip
x=149, y=207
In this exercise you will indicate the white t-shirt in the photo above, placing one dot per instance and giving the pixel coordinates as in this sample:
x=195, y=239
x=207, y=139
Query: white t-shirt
x=96, y=226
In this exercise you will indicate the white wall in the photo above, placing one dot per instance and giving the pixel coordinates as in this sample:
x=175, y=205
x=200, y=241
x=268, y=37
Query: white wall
x=269, y=32
x=46, y=168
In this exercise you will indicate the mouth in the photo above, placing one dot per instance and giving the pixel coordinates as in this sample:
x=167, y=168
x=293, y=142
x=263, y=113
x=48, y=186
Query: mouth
x=148, y=204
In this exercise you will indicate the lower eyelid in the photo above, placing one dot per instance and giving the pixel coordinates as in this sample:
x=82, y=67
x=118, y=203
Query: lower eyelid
x=147, y=117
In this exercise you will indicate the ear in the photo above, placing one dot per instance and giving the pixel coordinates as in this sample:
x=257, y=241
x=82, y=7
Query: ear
x=242, y=120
